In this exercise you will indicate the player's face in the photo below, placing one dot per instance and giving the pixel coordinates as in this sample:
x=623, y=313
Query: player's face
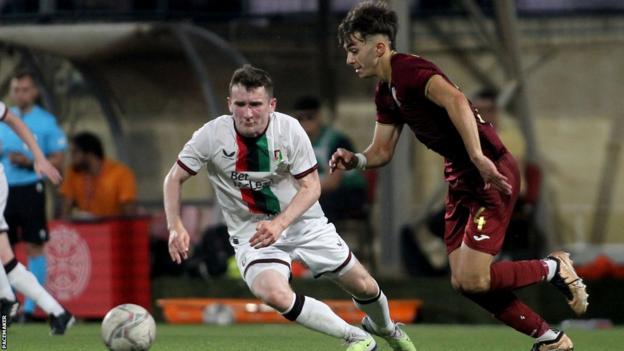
x=251, y=109
x=23, y=92
x=362, y=56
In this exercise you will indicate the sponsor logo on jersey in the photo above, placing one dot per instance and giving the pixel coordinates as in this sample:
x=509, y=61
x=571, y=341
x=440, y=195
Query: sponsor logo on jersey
x=242, y=181
x=277, y=155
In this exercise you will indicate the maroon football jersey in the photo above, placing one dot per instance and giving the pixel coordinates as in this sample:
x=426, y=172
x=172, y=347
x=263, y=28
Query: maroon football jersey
x=404, y=101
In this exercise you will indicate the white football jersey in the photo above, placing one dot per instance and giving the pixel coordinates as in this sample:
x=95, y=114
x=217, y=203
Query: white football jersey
x=3, y=110
x=254, y=178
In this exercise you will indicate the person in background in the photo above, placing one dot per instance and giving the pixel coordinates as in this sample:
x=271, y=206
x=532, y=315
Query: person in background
x=343, y=193
x=26, y=205
x=95, y=185
x=13, y=274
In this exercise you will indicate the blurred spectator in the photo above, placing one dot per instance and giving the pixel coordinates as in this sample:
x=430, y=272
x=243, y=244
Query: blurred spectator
x=96, y=186
x=25, y=211
x=343, y=192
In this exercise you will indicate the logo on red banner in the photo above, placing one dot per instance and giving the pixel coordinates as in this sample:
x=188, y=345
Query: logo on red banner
x=69, y=263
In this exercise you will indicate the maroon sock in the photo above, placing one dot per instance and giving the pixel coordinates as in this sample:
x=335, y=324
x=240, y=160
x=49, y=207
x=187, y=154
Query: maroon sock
x=511, y=275
x=507, y=308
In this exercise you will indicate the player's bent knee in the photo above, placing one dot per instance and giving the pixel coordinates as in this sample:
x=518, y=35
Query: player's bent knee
x=280, y=299
x=474, y=285
x=455, y=283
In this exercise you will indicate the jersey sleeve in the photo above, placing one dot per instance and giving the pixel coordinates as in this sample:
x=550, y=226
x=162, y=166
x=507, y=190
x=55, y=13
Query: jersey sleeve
x=197, y=150
x=3, y=111
x=421, y=80
x=385, y=105
x=303, y=158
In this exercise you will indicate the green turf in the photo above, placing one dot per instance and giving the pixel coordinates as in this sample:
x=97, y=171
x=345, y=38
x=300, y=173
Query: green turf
x=292, y=337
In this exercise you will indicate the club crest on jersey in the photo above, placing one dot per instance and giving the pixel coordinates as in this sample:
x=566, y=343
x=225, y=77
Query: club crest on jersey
x=229, y=155
x=277, y=155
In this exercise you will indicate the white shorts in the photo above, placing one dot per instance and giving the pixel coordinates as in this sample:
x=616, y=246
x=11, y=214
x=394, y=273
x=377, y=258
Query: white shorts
x=311, y=241
x=4, y=193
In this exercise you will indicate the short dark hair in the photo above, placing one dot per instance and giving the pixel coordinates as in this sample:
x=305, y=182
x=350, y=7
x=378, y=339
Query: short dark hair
x=24, y=73
x=369, y=18
x=251, y=78
x=487, y=94
x=88, y=143
x=307, y=103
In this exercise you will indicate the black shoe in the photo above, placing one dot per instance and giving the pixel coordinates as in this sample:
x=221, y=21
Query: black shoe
x=8, y=310
x=59, y=324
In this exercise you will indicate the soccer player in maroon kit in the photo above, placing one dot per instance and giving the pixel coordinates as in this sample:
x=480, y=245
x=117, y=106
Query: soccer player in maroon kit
x=482, y=175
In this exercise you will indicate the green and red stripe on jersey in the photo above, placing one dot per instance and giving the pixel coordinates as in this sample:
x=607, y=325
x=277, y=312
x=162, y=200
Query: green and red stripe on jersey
x=253, y=156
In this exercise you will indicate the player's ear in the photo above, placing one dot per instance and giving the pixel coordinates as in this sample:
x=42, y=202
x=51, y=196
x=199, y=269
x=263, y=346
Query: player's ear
x=273, y=104
x=380, y=48
x=229, y=103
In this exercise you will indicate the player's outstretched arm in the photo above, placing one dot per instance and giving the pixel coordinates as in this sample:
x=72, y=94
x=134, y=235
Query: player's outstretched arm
x=267, y=232
x=377, y=154
x=41, y=165
x=178, y=236
x=453, y=100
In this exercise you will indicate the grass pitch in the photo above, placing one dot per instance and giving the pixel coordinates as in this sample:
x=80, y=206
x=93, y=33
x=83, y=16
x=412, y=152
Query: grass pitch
x=86, y=336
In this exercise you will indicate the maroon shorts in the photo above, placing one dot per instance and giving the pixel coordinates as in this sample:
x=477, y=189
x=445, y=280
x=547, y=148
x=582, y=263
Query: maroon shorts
x=480, y=217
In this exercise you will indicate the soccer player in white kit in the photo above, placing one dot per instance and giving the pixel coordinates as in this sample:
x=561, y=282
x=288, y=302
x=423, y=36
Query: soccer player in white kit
x=14, y=273
x=263, y=169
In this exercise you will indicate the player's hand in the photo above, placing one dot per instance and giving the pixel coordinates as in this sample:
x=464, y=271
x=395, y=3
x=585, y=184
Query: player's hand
x=45, y=168
x=267, y=233
x=342, y=159
x=178, y=244
x=491, y=176
x=20, y=160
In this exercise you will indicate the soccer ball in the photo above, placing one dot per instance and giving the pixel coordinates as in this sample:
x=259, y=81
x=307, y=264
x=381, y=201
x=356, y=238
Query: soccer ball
x=128, y=327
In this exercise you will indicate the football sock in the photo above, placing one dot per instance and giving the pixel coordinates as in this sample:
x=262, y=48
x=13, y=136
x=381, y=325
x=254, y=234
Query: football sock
x=378, y=311
x=552, y=268
x=26, y=283
x=316, y=315
x=5, y=288
x=37, y=266
x=511, y=275
x=507, y=308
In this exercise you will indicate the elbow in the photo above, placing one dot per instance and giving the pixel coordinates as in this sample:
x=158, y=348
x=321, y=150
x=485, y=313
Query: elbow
x=457, y=102
x=385, y=156
x=168, y=180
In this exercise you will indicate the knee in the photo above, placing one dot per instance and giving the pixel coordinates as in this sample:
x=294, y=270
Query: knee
x=279, y=299
x=365, y=287
x=472, y=284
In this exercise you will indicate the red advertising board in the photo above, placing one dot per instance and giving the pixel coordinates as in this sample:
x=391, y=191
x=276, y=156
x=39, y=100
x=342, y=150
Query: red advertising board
x=96, y=265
